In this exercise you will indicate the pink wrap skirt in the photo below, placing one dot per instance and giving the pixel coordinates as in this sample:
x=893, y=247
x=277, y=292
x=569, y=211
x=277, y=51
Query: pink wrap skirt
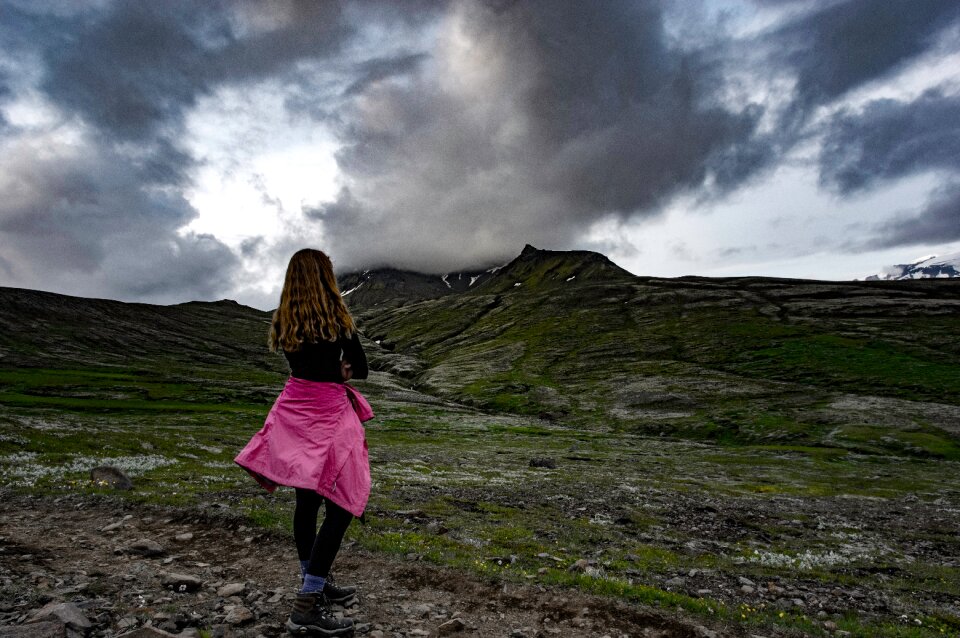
x=313, y=438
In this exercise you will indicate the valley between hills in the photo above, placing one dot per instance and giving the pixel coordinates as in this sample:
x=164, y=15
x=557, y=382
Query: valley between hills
x=679, y=457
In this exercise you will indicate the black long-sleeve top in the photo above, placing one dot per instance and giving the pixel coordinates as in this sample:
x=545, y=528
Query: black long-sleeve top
x=320, y=361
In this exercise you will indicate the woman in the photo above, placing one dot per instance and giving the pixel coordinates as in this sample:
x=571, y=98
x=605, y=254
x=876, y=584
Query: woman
x=313, y=439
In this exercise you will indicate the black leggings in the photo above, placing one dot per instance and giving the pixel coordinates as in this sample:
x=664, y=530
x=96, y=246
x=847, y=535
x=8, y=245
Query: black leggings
x=320, y=548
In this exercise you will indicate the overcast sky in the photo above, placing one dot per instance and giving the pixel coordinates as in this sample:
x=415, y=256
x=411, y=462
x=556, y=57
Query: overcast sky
x=168, y=151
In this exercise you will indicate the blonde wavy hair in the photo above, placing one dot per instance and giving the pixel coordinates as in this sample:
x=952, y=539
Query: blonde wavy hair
x=311, y=307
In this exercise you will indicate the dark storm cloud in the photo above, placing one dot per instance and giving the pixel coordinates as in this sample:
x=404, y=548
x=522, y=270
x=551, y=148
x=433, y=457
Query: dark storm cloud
x=107, y=218
x=846, y=44
x=86, y=220
x=379, y=69
x=939, y=223
x=555, y=116
x=135, y=69
x=194, y=266
x=890, y=139
x=131, y=71
x=250, y=246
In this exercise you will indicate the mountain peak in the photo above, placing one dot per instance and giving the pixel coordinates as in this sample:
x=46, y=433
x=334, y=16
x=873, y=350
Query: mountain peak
x=536, y=267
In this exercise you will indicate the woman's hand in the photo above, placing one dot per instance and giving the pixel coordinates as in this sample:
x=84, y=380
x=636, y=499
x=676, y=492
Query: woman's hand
x=346, y=370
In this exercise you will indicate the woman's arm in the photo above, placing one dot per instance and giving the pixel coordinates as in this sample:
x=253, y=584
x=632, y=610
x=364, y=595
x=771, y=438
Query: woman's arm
x=357, y=358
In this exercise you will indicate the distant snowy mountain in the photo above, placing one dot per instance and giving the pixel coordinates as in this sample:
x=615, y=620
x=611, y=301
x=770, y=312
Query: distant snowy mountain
x=929, y=267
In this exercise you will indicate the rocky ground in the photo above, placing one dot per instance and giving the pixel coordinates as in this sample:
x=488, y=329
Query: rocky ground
x=73, y=566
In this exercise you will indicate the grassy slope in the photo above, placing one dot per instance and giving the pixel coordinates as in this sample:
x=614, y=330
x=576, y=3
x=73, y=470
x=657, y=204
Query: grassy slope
x=740, y=360
x=70, y=352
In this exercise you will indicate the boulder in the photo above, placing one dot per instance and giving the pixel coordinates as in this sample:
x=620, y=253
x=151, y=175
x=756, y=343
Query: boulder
x=67, y=613
x=109, y=476
x=238, y=616
x=451, y=626
x=146, y=547
x=231, y=589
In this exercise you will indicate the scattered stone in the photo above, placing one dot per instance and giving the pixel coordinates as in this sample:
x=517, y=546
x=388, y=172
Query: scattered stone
x=181, y=582
x=545, y=462
x=127, y=622
x=238, y=616
x=109, y=476
x=112, y=527
x=231, y=589
x=746, y=589
x=183, y=538
x=46, y=629
x=67, y=613
x=423, y=610
x=702, y=632
x=146, y=547
x=555, y=559
x=148, y=632
x=451, y=626
x=676, y=581
x=829, y=625
x=276, y=598
x=746, y=581
x=580, y=565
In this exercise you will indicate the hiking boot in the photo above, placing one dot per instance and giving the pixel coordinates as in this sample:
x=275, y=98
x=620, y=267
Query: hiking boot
x=311, y=616
x=338, y=594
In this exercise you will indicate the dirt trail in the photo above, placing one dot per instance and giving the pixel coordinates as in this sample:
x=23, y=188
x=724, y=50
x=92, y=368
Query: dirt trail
x=81, y=551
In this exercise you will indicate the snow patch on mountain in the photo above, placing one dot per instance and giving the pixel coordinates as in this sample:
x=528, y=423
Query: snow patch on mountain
x=344, y=294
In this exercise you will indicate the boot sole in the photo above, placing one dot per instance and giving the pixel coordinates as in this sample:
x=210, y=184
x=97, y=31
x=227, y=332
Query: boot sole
x=314, y=630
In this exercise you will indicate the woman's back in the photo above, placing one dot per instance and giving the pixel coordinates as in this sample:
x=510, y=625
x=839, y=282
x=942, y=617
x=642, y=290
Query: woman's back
x=320, y=361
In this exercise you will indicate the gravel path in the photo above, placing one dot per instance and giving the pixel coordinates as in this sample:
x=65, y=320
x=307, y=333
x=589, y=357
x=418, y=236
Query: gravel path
x=110, y=569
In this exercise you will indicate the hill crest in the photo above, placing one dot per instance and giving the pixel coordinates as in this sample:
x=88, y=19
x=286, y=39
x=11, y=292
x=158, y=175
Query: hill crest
x=533, y=267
